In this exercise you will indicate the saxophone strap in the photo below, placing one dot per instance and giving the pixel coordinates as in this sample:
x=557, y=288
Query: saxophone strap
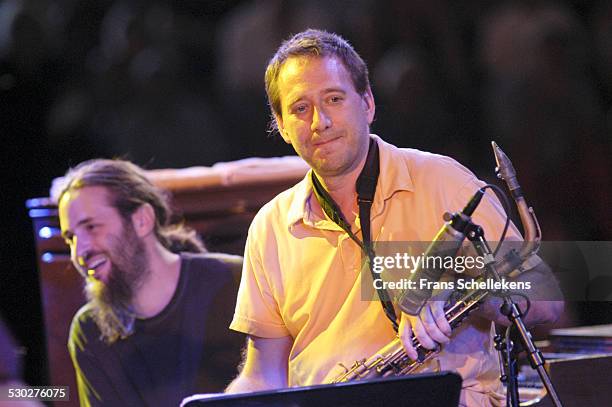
x=366, y=187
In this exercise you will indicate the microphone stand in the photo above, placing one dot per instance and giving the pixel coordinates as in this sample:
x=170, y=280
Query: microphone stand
x=476, y=235
x=508, y=366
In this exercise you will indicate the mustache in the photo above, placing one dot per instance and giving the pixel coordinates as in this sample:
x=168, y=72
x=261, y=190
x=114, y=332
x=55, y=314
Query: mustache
x=91, y=254
x=82, y=263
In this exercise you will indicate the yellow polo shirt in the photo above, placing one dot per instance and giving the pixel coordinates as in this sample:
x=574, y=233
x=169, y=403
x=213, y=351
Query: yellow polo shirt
x=301, y=274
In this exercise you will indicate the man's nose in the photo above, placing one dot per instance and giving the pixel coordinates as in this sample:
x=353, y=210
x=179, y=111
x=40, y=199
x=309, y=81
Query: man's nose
x=82, y=249
x=320, y=120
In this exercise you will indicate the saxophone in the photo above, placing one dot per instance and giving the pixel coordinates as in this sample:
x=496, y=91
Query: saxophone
x=392, y=360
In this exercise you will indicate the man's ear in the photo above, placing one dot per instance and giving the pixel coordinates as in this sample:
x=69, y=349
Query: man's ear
x=369, y=105
x=281, y=128
x=143, y=220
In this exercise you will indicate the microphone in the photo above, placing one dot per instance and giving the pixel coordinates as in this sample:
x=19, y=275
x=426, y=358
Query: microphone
x=447, y=242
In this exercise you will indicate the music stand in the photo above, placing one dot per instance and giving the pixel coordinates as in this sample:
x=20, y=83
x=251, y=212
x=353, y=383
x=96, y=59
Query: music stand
x=423, y=390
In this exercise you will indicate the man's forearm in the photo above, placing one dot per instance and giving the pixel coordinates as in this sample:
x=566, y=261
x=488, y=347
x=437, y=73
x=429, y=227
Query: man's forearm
x=265, y=366
x=546, y=302
x=540, y=312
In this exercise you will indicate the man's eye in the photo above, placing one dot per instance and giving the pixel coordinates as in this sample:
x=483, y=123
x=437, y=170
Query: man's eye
x=336, y=99
x=300, y=109
x=90, y=227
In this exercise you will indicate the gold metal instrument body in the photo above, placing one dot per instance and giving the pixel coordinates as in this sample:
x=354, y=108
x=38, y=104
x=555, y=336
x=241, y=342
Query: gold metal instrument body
x=392, y=360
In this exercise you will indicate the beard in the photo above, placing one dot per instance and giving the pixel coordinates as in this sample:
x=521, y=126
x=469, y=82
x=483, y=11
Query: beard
x=112, y=302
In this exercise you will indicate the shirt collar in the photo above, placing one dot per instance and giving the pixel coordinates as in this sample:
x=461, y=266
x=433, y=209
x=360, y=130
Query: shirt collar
x=394, y=177
x=394, y=172
x=299, y=210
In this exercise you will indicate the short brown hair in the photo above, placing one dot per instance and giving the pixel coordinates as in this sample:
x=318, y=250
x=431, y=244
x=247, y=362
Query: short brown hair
x=316, y=43
x=128, y=189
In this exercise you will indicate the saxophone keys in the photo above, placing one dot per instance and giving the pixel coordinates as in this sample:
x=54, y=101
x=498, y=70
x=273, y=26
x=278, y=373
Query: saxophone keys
x=358, y=363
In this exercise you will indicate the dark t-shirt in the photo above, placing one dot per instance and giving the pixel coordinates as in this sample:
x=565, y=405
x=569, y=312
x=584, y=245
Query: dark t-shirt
x=185, y=349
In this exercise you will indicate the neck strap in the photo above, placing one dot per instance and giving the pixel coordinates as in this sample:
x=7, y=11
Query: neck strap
x=366, y=187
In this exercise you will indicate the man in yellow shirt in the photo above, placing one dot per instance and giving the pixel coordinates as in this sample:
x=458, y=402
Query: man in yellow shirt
x=300, y=299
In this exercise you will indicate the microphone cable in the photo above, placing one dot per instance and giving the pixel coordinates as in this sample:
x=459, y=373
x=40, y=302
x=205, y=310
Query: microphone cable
x=506, y=205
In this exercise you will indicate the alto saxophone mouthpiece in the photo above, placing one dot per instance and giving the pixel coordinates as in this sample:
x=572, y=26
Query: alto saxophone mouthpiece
x=505, y=169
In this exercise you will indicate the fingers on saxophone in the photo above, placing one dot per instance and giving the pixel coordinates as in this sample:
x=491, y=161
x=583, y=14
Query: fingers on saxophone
x=428, y=330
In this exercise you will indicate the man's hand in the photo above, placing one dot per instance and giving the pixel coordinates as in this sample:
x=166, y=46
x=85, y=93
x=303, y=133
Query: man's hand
x=430, y=327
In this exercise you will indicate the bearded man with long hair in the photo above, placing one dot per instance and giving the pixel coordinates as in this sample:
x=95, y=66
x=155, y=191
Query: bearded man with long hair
x=152, y=290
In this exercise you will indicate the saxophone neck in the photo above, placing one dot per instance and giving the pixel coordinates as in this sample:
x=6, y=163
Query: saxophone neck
x=533, y=234
x=531, y=226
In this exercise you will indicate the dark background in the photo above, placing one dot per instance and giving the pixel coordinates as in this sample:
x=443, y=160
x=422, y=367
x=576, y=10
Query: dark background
x=176, y=84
